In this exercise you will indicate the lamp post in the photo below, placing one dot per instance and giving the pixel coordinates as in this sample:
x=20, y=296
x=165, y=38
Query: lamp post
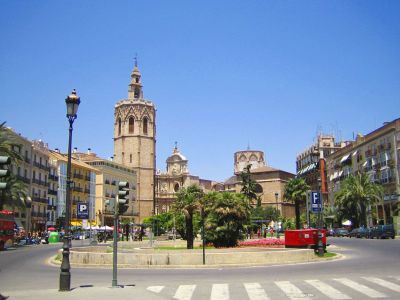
x=277, y=210
x=72, y=102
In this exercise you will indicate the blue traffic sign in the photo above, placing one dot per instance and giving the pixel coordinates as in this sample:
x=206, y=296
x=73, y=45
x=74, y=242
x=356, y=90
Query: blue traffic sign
x=83, y=211
x=316, y=202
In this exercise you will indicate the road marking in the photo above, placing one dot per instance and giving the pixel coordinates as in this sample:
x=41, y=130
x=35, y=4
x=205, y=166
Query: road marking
x=255, y=291
x=291, y=290
x=360, y=288
x=155, y=288
x=184, y=292
x=327, y=290
x=384, y=283
x=219, y=292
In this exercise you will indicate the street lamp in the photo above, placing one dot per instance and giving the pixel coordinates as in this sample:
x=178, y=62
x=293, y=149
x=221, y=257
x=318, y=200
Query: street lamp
x=72, y=102
x=277, y=210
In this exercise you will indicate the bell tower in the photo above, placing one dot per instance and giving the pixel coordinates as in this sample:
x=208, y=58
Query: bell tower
x=135, y=141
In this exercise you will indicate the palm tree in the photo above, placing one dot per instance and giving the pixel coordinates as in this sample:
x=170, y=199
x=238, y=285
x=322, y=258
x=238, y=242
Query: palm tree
x=15, y=195
x=296, y=190
x=7, y=143
x=188, y=201
x=226, y=215
x=356, y=194
x=250, y=188
x=15, y=189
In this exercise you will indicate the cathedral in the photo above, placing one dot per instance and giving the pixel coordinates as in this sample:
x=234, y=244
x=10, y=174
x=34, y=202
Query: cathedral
x=135, y=147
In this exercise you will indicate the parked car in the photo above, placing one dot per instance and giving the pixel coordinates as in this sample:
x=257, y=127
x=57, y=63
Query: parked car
x=383, y=232
x=361, y=232
x=330, y=232
x=341, y=232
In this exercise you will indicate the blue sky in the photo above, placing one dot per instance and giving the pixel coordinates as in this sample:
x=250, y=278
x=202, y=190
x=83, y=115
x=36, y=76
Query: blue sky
x=223, y=74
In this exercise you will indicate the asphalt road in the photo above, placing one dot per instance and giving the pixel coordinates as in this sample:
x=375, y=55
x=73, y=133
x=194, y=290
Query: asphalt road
x=28, y=268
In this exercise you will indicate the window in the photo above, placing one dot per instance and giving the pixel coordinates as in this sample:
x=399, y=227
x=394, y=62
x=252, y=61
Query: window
x=137, y=92
x=131, y=124
x=130, y=158
x=119, y=126
x=176, y=187
x=145, y=121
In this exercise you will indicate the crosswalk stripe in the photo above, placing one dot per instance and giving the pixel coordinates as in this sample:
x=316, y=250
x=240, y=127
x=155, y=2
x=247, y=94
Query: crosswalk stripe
x=327, y=290
x=155, y=288
x=360, y=288
x=219, y=292
x=255, y=291
x=384, y=283
x=291, y=290
x=184, y=292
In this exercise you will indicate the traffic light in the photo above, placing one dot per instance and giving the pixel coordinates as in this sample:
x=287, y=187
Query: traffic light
x=4, y=162
x=110, y=204
x=123, y=196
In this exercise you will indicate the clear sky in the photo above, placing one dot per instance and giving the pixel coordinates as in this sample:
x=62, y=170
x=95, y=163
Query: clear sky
x=223, y=74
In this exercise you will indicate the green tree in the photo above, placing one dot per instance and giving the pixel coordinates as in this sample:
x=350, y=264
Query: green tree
x=227, y=213
x=250, y=188
x=15, y=195
x=187, y=202
x=357, y=192
x=296, y=191
x=16, y=192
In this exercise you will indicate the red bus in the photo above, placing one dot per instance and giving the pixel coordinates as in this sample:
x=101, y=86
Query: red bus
x=7, y=225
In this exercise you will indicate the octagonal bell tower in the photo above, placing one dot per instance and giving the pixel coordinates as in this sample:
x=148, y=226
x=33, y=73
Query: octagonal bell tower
x=135, y=141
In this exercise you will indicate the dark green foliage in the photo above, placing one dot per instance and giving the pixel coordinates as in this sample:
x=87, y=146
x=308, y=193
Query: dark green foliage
x=296, y=191
x=227, y=213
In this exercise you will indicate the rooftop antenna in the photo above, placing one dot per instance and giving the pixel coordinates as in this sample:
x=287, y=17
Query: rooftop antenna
x=136, y=59
x=248, y=145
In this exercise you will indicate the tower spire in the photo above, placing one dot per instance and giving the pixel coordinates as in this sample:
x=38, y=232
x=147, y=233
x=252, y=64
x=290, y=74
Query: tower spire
x=135, y=86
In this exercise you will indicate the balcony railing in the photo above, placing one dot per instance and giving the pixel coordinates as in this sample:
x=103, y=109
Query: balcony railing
x=53, y=177
x=24, y=179
x=27, y=160
x=79, y=176
x=87, y=178
x=87, y=191
x=38, y=214
x=52, y=192
x=77, y=189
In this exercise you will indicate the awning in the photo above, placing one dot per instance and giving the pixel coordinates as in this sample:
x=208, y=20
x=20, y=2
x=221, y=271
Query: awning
x=344, y=158
x=19, y=223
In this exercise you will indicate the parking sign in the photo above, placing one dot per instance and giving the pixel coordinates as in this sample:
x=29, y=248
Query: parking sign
x=316, y=202
x=83, y=211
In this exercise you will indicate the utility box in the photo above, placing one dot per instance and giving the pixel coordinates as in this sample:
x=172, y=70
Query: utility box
x=53, y=237
x=304, y=238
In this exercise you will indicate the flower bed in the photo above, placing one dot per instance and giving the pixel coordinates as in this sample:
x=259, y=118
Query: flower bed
x=269, y=242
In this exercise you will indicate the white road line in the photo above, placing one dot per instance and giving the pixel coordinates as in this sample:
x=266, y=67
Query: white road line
x=327, y=290
x=291, y=290
x=255, y=291
x=184, y=292
x=360, y=288
x=219, y=292
x=155, y=288
x=384, y=283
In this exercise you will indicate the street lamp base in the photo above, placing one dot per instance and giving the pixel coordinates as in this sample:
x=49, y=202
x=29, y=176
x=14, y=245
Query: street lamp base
x=65, y=282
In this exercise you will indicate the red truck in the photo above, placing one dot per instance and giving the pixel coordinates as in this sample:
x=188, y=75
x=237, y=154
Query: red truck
x=7, y=225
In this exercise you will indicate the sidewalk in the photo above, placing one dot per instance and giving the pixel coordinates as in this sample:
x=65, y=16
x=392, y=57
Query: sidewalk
x=87, y=293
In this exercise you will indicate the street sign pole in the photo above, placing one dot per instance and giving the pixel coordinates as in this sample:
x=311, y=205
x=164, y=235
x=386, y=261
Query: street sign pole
x=115, y=243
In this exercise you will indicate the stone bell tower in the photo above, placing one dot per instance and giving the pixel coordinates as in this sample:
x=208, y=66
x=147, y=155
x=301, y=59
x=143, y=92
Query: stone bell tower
x=135, y=141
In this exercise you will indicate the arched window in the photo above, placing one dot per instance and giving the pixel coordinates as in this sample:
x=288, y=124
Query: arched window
x=145, y=121
x=176, y=187
x=119, y=126
x=131, y=124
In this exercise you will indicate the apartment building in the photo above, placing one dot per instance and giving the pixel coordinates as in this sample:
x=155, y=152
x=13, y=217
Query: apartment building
x=376, y=154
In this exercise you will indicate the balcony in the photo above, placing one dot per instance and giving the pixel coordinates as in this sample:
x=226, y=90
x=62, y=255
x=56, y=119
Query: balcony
x=87, y=178
x=87, y=191
x=53, y=177
x=79, y=176
x=23, y=179
x=38, y=214
x=77, y=189
x=51, y=207
x=27, y=160
x=52, y=192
